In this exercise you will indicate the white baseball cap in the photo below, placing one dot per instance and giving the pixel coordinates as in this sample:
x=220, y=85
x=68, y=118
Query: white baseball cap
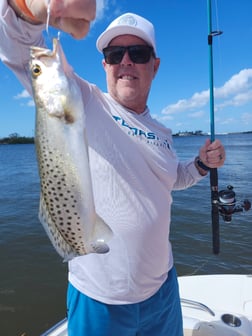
x=125, y=24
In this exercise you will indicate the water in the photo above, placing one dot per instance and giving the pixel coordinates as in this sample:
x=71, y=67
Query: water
x=191, y=215
x=33, y=278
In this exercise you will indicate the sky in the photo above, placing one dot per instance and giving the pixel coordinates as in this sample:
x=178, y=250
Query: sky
x=179, y=97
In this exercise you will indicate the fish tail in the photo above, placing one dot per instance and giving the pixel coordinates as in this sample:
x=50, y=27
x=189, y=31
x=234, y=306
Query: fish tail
x=101, y=235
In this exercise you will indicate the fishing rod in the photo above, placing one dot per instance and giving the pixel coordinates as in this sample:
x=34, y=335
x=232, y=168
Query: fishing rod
x=213, y=171
x=223, y=202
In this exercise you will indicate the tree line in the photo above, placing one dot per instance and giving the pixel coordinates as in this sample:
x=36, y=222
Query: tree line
x=15, y=138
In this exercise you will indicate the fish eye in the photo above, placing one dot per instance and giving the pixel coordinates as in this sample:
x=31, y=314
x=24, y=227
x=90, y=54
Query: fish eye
x=36, y=70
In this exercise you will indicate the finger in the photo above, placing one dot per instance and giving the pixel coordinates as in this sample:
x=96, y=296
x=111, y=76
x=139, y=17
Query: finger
x=215, y=145
x=216, y=157
x=78, y=28
x=75, y=9
x=208, y=142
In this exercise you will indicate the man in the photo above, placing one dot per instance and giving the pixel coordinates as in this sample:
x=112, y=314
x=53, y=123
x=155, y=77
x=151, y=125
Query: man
x=132, y=290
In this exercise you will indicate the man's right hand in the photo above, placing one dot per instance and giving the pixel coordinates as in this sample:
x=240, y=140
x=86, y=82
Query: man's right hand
x=71, y=16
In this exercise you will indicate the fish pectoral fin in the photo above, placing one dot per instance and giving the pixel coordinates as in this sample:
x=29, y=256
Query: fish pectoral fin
x=101, y=235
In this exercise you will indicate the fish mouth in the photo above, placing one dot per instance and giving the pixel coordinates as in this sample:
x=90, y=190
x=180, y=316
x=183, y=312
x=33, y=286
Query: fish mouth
x=38, y=52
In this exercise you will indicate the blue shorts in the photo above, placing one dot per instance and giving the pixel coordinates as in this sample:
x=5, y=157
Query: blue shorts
x=160, y=315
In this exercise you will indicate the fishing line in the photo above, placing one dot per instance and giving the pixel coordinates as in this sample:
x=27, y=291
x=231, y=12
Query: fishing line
x=48, y=20
x=220, y=72
x=219, y=53
x=48, y=15
x=205, y=263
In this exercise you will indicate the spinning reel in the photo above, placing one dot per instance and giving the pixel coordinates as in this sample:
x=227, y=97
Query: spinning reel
x=228, y=205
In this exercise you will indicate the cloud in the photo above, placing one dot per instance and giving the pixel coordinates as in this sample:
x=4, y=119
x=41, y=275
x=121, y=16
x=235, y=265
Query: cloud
x=100, y=9
x=246, y=118
x=198, y=100
x=198, y=114
x=236, y=84
x=30, y=103
x=24, y=95
x=237, y=100
x=236, y=91
x=107, y=9
x=227, y=121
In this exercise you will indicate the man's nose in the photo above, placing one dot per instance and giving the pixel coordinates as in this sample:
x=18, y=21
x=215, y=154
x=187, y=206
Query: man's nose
x=126, y=59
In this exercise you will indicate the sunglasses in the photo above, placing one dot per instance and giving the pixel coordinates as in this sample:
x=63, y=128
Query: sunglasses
x=139, y=54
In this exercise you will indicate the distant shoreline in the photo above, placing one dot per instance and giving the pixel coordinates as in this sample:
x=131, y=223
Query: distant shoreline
x=199, y=133
x=15, y=139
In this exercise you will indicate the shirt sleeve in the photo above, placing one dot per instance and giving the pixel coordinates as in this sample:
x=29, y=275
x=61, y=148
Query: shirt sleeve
x=17, y=36
x=187, y=175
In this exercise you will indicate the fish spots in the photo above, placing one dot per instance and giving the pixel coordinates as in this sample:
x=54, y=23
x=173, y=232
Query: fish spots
x=57, y=187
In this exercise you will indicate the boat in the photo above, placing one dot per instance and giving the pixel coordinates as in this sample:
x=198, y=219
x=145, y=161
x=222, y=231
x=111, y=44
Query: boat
x=216, y=305
x=212, y=305
x=59, y=329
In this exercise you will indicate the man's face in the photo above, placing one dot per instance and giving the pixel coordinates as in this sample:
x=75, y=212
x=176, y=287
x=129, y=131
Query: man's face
x=128, y=82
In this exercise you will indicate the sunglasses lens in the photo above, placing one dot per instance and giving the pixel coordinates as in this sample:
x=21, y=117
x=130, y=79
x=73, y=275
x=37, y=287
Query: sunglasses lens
x=113, y=55
x=139, y=54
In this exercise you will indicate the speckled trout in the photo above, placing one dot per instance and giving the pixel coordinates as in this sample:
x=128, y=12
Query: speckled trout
x=67, y=209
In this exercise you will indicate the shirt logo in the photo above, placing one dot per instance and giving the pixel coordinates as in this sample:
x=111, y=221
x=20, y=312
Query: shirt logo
x=149, y=137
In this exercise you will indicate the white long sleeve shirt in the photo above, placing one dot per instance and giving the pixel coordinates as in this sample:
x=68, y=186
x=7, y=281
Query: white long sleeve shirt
x=134, y=170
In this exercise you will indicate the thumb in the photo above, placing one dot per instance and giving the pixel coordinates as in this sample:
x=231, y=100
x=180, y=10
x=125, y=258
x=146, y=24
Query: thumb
x=38, y=9
x=78, y=28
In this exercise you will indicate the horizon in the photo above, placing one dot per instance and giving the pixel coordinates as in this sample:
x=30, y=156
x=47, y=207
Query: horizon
x=179, y=133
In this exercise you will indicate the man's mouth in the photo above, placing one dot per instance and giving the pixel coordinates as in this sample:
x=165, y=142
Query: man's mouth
x=127, y=77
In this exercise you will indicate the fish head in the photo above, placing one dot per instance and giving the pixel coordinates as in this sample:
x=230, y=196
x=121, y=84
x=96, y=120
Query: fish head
x=50, y=81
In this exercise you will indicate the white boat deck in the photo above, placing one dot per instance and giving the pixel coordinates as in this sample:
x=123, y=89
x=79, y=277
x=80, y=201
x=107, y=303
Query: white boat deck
x=227, y=301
